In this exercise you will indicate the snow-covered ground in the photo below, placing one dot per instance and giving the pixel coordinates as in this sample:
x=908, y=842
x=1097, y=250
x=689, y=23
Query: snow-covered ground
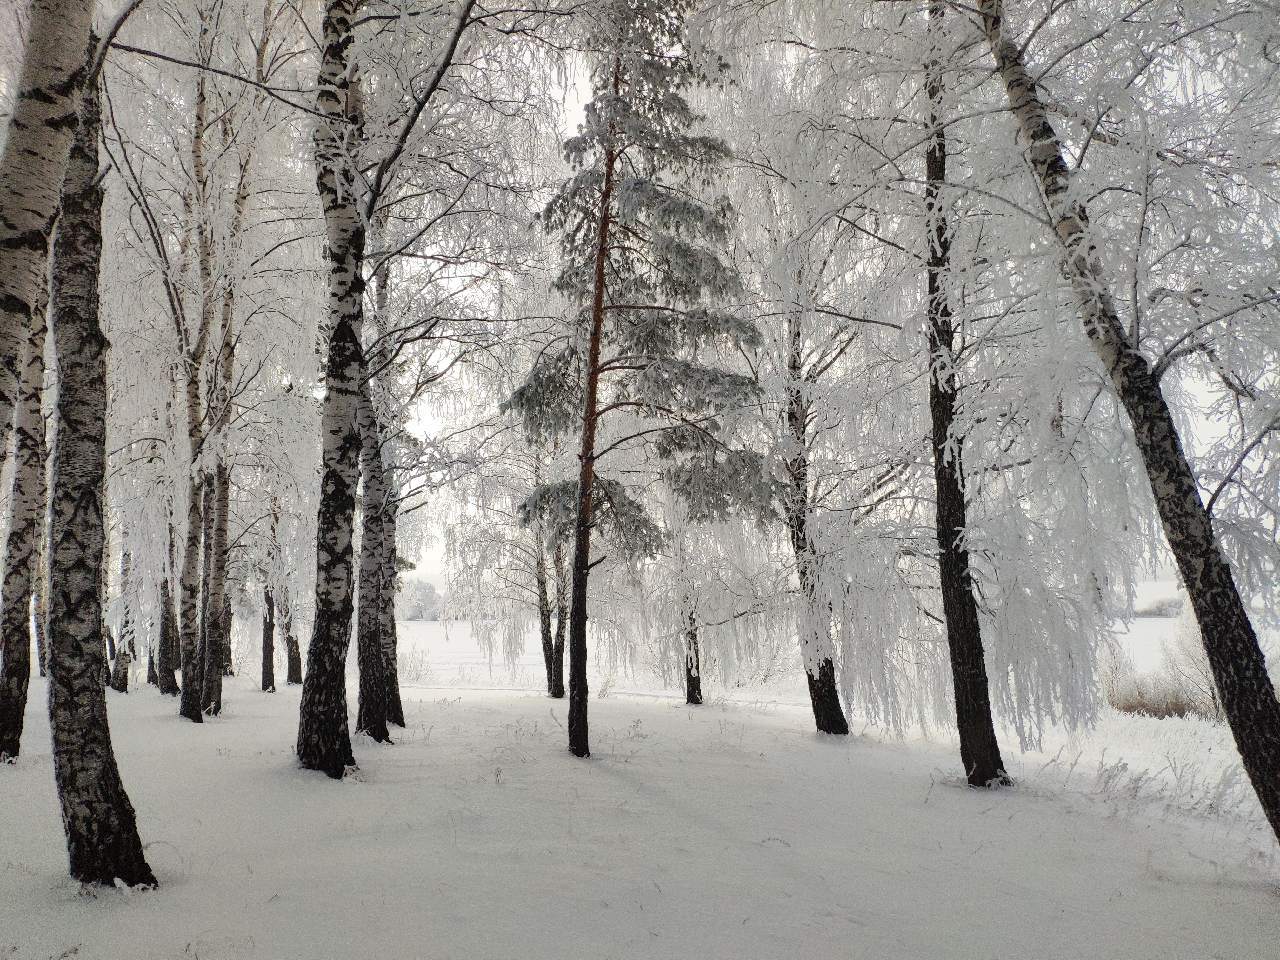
x=728, y=831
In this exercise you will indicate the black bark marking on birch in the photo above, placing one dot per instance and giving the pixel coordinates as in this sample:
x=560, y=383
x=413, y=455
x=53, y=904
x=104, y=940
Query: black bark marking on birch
x=168, y=642
x=979, y=747
x=102, y=836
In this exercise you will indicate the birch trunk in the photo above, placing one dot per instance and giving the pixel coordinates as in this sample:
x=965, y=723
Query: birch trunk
x=324, y=742
x=40, y=591
x=26, y=527
x=125, y=652
x=168, y=643
x=979, y=748
x=32, y=167
x=102, y=835
x=1235, y=658
x=389, y=575
x=217, y=626
x=387, y=606
x=293, y=653
x=692, y=661
x=371, y=712
x=815, y=623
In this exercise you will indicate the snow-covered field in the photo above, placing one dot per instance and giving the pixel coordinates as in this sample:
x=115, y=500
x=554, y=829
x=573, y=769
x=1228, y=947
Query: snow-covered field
x=728, y=831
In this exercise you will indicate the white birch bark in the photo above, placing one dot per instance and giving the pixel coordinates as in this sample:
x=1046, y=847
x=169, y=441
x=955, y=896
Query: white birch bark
x=31, y=172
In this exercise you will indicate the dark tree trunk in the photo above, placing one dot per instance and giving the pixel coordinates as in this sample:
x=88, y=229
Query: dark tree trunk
x=692, y=663
x=268, y=641
x=168, y=642
x=562, y=622
x=192, y=624
x=153, y=678
x=371, y=708
x=228, y=622
x=217, y=615
x=102, y=834
x=26, y=528
x=578, y=734
x=544, y=614
x=979, y=748
x=40, y=604
x=293, y=653
x=127, y=652
x=815, y=630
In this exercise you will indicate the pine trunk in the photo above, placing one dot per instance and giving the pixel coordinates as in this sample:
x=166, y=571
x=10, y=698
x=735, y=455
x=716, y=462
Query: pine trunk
x=41, y=125
x=979, y=748
x=1239, y=668
x=581, y=570
x=324, y=742
x=371, y=710
x=26, y=528
x=268, y=641
x=102, y=834
x=815, y=627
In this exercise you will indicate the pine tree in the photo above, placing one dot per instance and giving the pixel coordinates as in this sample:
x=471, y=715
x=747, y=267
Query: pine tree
x=643, y=262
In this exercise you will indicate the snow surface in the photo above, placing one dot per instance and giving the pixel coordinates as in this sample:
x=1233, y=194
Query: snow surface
x=727, y=831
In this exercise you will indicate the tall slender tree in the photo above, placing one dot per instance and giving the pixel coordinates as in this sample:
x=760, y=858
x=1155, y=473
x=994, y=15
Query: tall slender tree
x=979, y=749
x=643, y=260
x=102, y=835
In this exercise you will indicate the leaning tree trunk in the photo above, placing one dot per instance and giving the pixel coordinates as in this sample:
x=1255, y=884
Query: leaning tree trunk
x=371, y=711
x=26, y=527
x=979, y=748
x=268, y=641
x=1239, y=668
x=324, y=742
x=692, y=661
x=36, y=147
x=102, y=835
x=815, y=626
